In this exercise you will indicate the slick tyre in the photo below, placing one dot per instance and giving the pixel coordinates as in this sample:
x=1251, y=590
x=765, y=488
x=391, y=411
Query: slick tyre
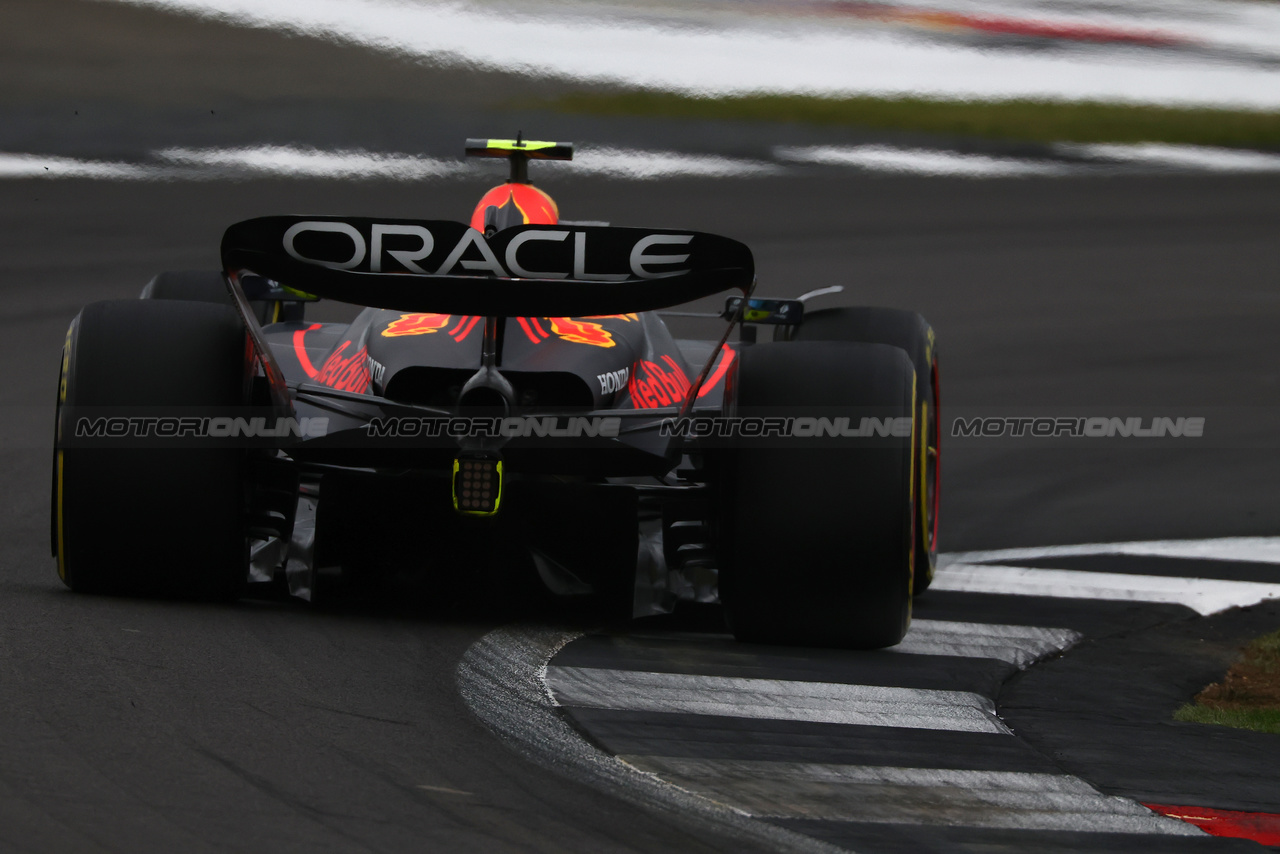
x=912, y=333
x=207, y=286
x=817, y=534
x=189, y=286
x=139, y=519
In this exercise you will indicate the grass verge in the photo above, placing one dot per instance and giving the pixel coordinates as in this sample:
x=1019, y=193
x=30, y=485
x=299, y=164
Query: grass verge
x=1248, y=697
x=1032, y=121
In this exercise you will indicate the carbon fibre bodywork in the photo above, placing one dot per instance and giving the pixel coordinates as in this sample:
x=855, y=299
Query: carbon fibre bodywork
x=362, y=485
x=508, y=405
x=353, y=374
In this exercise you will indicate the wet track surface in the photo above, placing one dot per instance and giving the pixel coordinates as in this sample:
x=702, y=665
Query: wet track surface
x=150, y=726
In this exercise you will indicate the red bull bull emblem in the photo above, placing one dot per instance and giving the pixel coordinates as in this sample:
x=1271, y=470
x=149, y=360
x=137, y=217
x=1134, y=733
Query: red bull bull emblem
x=571, y=330
x=581, y=331
x=416, y=324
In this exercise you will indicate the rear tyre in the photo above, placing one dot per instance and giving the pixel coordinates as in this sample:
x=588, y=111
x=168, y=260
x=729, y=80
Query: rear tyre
x=816, y=535
x=189, y=286
x=912, y=333
x=208, y=286
x=150, y=520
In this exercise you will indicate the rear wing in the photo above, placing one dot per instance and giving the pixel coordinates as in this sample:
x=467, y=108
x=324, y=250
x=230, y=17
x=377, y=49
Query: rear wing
x=528, y=148
x=450, y=268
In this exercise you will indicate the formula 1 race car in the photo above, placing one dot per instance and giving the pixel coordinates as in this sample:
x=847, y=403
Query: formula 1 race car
x=512, y=396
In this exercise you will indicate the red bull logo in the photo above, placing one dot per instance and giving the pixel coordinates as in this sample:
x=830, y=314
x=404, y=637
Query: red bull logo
x=346, y=373
x=581, y=331
x=653, y=385
x=416, y=324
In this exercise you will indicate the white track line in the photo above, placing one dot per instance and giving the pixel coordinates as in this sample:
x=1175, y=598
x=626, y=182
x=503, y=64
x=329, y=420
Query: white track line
x=921, y=796
x=286, y=161
x=633, y=164
x=774, y=699
x=1202, y=595
x=296, y=162
x=1020, y=646
x=291, y=161
x=921, y=161
x=1249, y=549
x=1196, y=157
x=43, y=166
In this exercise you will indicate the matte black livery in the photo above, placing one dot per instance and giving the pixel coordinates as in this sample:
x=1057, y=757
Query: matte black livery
x=511, y=390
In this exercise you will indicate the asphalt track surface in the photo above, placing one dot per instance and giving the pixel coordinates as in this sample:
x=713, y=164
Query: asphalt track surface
x=149, y=726
x=950, y=741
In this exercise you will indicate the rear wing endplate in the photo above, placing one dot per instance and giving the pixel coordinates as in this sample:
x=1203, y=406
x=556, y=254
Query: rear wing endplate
x=450, y=268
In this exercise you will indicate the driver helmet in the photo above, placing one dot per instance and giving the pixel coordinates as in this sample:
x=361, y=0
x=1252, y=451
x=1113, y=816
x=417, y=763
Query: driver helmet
x=513, y=204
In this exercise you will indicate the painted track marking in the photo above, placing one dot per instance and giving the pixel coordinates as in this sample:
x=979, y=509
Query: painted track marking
x=926, y=796
x=1020, y=646
x=1199, y=157
x=501, y=678
x=921, y=161
x=815, y=756
x=773, y=699
x=1203, y=595
x=279, y=161
x=1255, y=549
